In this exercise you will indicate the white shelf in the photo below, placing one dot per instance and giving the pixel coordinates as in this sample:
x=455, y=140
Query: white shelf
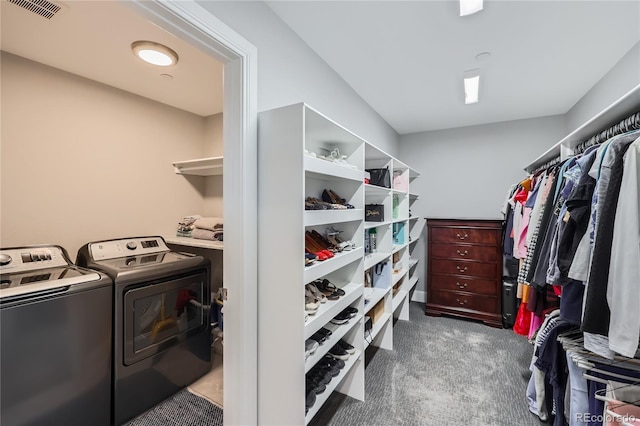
x=400, y=219
x=414, y=240
x=413, y=197
x=376, y=295
x=413, y=174
x=413, y=218
x=613, y=114
x=373, y=259
x=369, y=225
x=194, y=242
x=401, y=193
x=333, y=384
x=337, y=333
x=320, y=269
x=331, y=308
x=375, y=330
x=397, y=277
x=200, y=167
x=331, y=171
x=376, y=190
x=398, y=299
x=326, y=217
x=413, y=262
x=398, y=247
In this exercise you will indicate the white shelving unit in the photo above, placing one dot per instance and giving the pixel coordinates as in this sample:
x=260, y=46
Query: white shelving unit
x=288, y=136
x=287, y=176
x=194, y=242
x=209, y=166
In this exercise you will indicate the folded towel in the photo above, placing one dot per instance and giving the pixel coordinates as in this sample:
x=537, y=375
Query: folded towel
x=209, y=223
x=205, y=234
x=188, y=220
x=187, y=234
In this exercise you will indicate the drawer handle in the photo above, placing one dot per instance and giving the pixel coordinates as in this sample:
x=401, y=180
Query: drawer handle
x=464, y=302
x=462, y=253
x=462, y=237
x=464, y=285
x=462, y=269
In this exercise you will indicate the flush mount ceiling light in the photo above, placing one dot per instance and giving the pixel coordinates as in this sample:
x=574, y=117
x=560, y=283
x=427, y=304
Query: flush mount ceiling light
x=471, y=86
x=154, y=53
x=469, y=7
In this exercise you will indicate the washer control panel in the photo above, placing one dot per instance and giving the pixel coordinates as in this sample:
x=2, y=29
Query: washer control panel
x=29, y=258
x=113, y=249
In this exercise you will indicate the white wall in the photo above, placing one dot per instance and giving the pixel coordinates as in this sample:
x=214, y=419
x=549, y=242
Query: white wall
x=290, y=72
x=213, y=199
x=82, y=161
x=623, y=77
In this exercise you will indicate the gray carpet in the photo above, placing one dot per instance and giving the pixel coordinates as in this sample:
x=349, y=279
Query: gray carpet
x=182, y=409
x=442, y=371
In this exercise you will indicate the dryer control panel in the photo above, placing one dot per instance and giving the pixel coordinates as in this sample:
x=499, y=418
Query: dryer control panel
x=113, y=249
x=31, y=258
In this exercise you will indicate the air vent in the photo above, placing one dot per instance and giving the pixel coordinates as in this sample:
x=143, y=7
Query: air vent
x=44, y=8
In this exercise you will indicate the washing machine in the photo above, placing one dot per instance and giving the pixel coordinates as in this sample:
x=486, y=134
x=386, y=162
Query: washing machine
x=55, y=339
x=161, y=309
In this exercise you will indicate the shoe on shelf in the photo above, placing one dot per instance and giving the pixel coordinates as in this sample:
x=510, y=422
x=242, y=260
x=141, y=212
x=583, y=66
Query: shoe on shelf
x=331, y=361
x=310, y=347
x=321, y=376
x=351, y=311
x=318, y=338
x=338, y=353
x=341, y=318
x=316, y=293
x=327, y=286
x=324, y=332
x=309, y=153
x=346, y=346
x=324, y=370
x=315, y=386
x=309, y=400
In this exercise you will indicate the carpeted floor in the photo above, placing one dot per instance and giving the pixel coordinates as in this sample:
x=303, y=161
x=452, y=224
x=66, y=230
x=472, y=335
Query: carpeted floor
x=182, y=409
x=442, y=371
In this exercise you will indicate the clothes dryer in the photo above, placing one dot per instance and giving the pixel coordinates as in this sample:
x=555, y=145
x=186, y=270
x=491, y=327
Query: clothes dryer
x=55, y=339
x=161, y=319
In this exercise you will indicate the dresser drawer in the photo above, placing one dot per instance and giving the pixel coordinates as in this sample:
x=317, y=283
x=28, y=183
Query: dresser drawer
x=464, y=301
x=464, y=235
x=460, y=267
x=457, y=283
x=457, y=251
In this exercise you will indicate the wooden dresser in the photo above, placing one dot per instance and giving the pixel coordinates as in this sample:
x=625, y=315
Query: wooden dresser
x=465, y=269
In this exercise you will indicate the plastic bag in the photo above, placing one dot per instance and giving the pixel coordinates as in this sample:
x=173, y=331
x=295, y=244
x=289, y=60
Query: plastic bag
x=523, y=321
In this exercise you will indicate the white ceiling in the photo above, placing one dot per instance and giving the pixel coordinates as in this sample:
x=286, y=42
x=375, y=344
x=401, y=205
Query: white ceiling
x=406, y=58
x=93, y=38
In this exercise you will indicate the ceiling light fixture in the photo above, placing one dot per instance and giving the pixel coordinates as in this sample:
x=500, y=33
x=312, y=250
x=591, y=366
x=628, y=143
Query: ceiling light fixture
x=469, y=7
x=471, y=86
x=154, y=53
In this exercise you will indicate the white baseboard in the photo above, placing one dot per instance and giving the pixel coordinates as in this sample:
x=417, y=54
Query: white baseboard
x=419, y=296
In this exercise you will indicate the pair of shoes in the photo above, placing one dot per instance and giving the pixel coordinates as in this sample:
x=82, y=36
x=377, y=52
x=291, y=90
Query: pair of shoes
x=350, y=349
x=313, y=384
x=335, y=157
x=331, y=361
x=329, y=196
x=309, y=401
x=333, y=236
x=321, y=335
x=311, y=304
x=329, y=289
x=310, y=347
x=344, y=316
x=309, y=153
x=312, y=203
x=317, y=294
x=312, y=246
x=309, y=259
x=338, y=352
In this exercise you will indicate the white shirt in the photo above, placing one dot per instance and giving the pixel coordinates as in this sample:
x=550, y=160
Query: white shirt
x=623, y=291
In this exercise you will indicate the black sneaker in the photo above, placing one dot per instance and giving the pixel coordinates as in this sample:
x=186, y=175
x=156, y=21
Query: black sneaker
x=315, y=386
x=341, y=318
x=310, y=400
x=318, y=338
x=331, y=362
x=327, y=369
x=338, y=353
x=350, y=311
x=346, y=346
x=320, y=376
x=325, y=332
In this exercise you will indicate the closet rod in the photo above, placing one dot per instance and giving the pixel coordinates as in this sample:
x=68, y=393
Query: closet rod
x=628, y=124
x=546, y=165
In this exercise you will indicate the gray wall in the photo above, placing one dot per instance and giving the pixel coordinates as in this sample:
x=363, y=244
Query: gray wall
x=290, y=72
x=623, y=77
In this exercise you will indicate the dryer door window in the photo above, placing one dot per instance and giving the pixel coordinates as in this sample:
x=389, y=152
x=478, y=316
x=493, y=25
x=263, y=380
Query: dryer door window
x=158, y=315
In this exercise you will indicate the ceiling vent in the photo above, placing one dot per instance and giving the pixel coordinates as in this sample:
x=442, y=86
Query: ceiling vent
x=44, y=8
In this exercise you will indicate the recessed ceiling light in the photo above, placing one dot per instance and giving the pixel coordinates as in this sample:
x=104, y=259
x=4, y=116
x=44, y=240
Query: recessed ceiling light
x=471, y=86
x=154, y=53
x=469, y=7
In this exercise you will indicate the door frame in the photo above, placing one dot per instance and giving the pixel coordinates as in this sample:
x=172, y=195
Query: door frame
x=192, y=23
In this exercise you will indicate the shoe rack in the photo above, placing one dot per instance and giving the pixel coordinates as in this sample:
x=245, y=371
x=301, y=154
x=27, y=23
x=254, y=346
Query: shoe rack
x=294, y=143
